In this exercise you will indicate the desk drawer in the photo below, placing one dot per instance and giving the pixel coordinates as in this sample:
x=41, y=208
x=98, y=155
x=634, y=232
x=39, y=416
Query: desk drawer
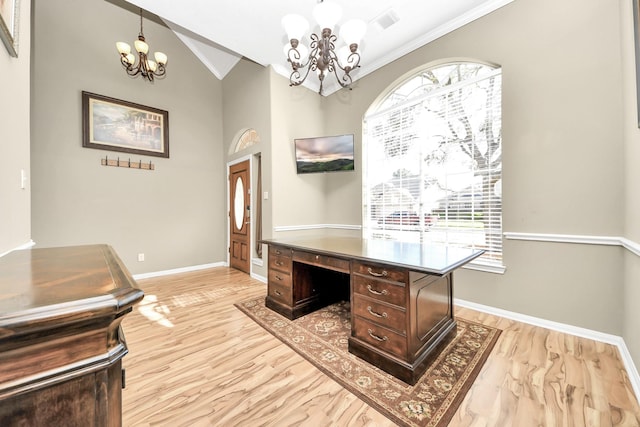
x=325, y=261
x=280, y=278
x=279, y=262
x=379, y=289
x=379, y=337
x=279, y=250
x=381, y=272
x=279, y=292
x=382, y=314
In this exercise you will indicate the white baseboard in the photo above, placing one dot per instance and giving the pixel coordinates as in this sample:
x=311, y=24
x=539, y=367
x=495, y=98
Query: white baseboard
x=259, y=278
x=27, y=245
x=632, y=372
x=179, y=270
x=192, y=268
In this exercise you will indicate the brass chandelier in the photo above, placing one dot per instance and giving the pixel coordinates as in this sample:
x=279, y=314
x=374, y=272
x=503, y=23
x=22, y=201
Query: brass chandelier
x=323, y=59
x=145, y=67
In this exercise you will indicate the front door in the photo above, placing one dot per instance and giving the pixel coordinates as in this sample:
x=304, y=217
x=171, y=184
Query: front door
x=239, y=216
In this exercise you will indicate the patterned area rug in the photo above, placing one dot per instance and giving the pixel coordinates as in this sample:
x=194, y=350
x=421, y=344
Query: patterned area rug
x=322, y=338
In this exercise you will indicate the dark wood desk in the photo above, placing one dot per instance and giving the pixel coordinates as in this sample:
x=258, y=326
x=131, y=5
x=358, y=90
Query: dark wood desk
x=61, y=343
x=401, y=294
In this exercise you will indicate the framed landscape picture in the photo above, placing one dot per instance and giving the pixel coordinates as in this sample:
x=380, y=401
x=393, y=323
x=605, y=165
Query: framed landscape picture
x=116, y=125
x=9, y=16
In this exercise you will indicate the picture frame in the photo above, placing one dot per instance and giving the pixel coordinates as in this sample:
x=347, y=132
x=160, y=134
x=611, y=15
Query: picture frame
x=117, y=125
x=636, y=37
x=9, y=20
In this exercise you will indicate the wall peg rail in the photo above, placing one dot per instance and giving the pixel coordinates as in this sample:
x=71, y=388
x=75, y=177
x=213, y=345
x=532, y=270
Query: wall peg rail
x=127, y=163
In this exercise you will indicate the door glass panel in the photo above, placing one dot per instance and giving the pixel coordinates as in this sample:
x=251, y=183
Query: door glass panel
x=238, y=203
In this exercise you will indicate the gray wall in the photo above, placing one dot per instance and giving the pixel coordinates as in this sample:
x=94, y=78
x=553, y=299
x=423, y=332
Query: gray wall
x=174, y=214
x=631, y=152
x=15, y=202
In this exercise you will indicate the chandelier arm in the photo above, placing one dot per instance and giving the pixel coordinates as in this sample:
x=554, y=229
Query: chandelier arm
x=294, y=57
x=345, y=77
x=295, y=78
x=160, y=71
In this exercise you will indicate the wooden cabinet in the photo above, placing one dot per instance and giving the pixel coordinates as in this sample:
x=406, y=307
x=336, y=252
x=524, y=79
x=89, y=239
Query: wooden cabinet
x=61, y=345
x=399, y=317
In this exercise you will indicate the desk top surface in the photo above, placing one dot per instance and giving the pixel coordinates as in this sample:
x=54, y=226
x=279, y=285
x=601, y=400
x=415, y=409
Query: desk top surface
x=53, y=286
x=434, y=259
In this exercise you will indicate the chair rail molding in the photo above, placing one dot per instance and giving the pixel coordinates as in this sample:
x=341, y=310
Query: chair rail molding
x=628, y=244
x=317, y=227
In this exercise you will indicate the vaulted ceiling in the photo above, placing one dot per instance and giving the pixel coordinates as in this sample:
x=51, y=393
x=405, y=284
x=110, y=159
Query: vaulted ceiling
x=221, y=32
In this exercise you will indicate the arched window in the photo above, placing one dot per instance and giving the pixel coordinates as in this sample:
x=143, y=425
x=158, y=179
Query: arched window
x=432, y=155
x=248, y=138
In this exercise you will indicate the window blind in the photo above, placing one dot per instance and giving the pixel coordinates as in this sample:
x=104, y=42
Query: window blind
x=433, y=167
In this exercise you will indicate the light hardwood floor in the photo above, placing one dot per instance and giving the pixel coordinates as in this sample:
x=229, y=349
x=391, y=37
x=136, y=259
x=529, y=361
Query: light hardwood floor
x=196, y=360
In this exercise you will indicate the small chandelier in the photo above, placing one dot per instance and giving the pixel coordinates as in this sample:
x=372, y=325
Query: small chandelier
x=145, y=66
x=323, y=58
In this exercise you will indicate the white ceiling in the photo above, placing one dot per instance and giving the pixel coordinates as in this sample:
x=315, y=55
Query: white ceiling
x=220, y=32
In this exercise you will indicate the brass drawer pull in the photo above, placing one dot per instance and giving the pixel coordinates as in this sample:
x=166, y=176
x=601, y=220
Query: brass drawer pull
x=373, y=291
x=373, y=273
x=376, y=337
x=376, y=314
x=279, y=263
x=278, y=277
x=278, y=293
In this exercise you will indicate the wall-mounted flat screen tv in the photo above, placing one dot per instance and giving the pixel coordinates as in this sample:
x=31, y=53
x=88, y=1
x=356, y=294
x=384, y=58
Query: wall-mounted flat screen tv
x=324, y=154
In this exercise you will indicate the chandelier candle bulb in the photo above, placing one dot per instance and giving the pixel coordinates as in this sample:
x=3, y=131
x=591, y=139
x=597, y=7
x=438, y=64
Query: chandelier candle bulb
x=161, y=58
x=327, y=14
x=123, y=48
x=352, y=31
x=295, y=26
x=141, y=46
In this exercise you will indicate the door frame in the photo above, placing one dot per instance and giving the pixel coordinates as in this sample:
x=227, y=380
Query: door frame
x=251, y=203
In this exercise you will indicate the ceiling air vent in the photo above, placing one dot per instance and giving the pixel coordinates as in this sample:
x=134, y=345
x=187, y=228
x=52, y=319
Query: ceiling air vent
x=386, y=19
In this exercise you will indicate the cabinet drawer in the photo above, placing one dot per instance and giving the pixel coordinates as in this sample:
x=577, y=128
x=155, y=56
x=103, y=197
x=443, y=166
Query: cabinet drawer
x=382, y=314
x=379, y=337
x=379, y=289
x=280, y=292
x=279, y=262
x=381, y=272
x=279, y=251
x=280, y=278
x=325, y=261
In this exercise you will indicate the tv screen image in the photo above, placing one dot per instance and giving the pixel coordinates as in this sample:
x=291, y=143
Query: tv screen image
x=324, y=154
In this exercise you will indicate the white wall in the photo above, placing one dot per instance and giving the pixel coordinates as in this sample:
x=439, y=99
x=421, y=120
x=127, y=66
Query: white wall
x=15, y=202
